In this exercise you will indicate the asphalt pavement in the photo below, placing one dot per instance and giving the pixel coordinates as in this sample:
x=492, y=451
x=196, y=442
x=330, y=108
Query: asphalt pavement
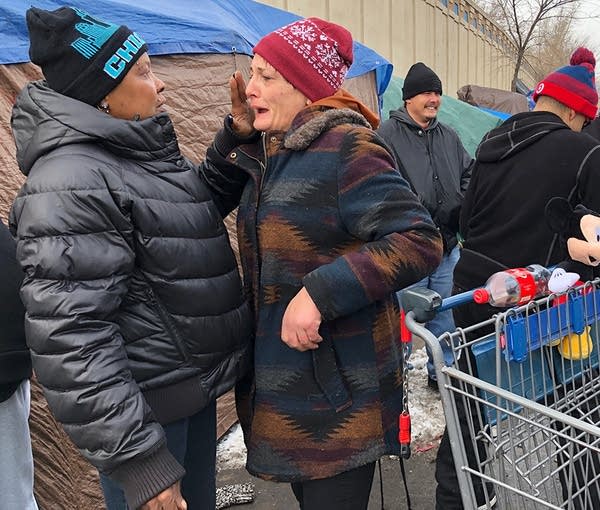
x=419, y=473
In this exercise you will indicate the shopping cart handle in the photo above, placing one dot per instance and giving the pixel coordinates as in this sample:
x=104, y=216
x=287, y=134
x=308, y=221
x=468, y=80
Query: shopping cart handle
x=456, y=300
x=424, y=303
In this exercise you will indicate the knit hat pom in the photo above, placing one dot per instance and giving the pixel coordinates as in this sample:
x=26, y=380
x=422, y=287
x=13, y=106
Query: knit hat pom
x=583, y=56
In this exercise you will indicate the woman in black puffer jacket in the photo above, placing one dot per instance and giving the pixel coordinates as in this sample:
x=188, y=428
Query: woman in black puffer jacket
x=136, y=317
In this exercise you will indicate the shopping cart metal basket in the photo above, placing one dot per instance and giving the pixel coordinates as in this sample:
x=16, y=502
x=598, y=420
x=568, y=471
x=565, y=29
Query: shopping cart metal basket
x=522, y=400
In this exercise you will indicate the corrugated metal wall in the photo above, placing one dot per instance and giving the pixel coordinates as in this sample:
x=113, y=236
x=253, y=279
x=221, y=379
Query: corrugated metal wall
x=453, y=37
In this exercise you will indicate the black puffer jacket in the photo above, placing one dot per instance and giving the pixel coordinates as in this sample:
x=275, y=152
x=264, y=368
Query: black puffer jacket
x=135, y=311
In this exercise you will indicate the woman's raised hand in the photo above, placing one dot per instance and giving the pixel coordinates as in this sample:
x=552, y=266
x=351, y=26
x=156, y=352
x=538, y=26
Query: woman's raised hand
x=243, y=116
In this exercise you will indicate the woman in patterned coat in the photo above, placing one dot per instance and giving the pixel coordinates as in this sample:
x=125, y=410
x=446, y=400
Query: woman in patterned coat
x=328, y=231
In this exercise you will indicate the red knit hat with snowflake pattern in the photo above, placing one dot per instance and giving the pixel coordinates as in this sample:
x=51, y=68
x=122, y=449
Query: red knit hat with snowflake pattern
x=314, y=55
x=573, y=85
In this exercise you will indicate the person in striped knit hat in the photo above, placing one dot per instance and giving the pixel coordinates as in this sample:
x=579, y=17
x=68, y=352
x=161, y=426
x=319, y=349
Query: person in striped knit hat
x=520, y=165
x=328, y=231
x=572, y=86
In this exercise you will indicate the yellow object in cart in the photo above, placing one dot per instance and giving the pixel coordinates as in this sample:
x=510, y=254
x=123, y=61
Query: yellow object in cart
x=576, y=346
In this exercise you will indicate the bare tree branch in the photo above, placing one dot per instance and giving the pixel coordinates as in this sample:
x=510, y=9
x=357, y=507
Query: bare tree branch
x=532, y=25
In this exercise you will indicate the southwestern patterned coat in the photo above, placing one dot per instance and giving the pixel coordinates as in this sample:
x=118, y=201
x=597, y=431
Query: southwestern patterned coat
x=326, y=209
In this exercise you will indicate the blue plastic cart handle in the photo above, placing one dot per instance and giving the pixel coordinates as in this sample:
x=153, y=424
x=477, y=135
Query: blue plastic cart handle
x=456, y=300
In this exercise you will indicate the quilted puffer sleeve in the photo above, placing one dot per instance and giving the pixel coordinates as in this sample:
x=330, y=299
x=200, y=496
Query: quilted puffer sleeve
x=225, y=181
x=73, y=243
x=398, y=243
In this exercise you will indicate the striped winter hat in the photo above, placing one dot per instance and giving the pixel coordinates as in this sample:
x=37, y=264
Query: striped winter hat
x=573, y=85
x=314, y=55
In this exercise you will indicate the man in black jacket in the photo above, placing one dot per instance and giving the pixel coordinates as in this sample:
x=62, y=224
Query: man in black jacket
x=16, y=462
x=432, y=159
x=522, y=164
x=593, y=128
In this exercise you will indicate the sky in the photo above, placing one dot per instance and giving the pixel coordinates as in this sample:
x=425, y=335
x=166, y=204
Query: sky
x=590, y=27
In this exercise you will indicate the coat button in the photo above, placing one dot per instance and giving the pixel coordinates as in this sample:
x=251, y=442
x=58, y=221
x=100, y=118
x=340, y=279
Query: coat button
x=273, y=139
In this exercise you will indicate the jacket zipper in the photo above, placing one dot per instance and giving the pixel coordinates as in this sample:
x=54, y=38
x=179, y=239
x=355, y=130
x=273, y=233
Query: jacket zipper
x=263, y=168
x=166, y=319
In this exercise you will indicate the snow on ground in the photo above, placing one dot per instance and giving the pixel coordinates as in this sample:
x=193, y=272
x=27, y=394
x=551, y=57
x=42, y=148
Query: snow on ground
x=427, y=415
x=427, y=418
x=231, y=451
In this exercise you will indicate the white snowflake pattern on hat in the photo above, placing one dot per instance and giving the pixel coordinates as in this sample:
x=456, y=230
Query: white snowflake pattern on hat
x=328, y=54
x=304, y=31
x=320, y=69
x=323, y=56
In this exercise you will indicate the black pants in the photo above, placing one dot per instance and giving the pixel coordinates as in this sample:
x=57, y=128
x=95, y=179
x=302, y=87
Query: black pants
x=346, y=491
x=447, y=496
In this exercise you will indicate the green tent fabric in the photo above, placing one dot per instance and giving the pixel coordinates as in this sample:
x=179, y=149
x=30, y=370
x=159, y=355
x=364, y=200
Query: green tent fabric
x=468, y=121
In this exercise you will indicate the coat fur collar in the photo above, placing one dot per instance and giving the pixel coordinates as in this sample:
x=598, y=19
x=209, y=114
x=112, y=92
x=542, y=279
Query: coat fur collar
x=310, y=124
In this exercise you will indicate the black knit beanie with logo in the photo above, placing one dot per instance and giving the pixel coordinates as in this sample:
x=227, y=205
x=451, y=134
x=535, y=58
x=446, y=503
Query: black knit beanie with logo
x=420, y=79
x=80, y=55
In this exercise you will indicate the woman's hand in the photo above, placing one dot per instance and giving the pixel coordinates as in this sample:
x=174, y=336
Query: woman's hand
x=169, y=499
x=300, y=324
x=243, y=116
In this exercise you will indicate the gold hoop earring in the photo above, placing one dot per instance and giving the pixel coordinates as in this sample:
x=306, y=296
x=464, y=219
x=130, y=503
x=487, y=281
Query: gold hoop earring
x=103, y=107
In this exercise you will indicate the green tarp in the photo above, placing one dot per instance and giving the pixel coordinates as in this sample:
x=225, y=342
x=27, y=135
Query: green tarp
x=468, y=121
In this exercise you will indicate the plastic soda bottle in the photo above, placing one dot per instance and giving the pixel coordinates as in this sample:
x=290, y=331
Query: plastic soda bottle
x=514, y=287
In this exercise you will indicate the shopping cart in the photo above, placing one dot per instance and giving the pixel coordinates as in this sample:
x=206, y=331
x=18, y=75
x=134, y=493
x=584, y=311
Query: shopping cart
x=525, y=386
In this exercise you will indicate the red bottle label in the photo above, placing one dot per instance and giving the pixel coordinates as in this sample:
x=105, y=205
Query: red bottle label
x=526, y=284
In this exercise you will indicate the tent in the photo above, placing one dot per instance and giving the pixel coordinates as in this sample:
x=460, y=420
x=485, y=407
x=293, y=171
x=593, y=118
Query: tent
x=501, y=115
x=469, y=122
x=494, y=99
x=195, y=47
x=182, y=27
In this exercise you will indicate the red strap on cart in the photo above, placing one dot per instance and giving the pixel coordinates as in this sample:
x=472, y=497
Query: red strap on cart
x=404, y=429
x=405, y=334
